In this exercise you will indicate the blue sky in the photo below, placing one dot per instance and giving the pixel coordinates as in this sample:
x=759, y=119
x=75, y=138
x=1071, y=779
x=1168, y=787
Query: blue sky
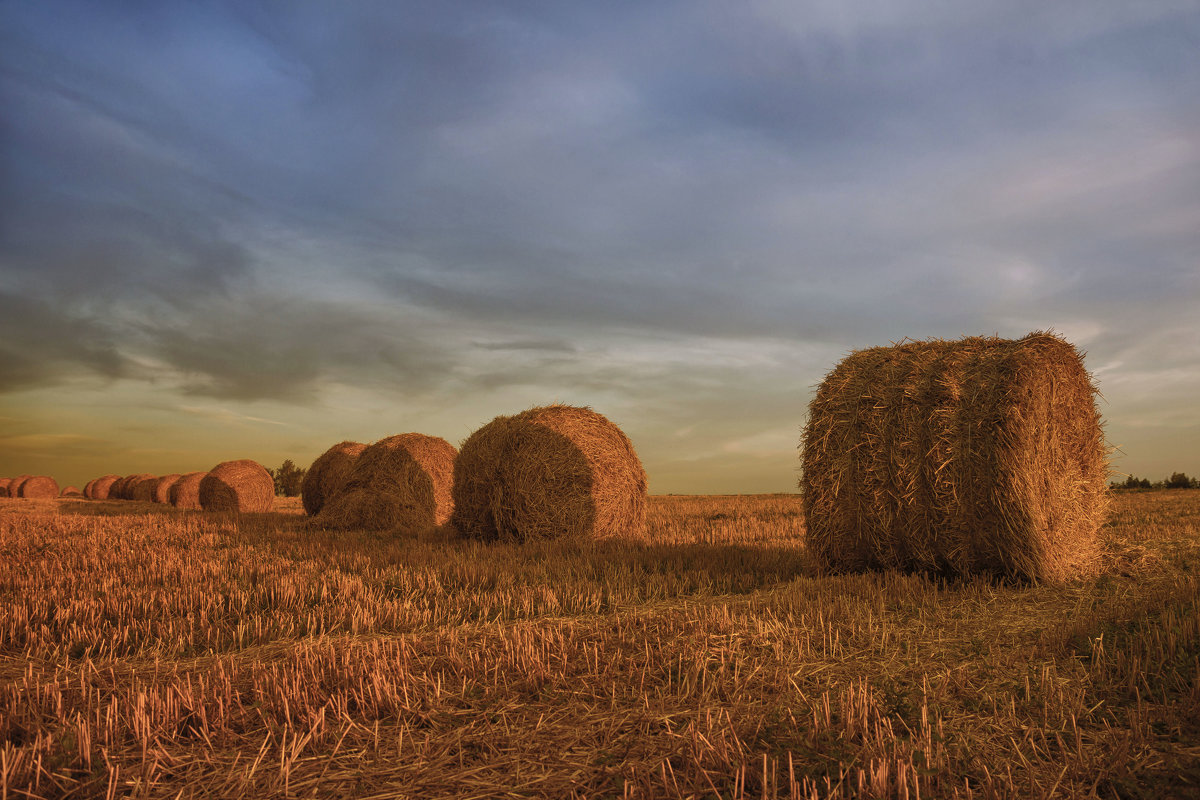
x=249, y=229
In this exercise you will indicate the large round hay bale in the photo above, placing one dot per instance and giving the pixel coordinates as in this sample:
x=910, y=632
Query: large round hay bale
x=549, y=472
x=14, y=486
x=120, y=490
x=39, y=487
x=87, y=489
x=241, y=485
x=162, y=488
x=4, y=482
x=327, y=474
x=982, y=455
x=102, y=487
x=185, y=491
x=70, y=491
x=399, y=483
x=142, y=489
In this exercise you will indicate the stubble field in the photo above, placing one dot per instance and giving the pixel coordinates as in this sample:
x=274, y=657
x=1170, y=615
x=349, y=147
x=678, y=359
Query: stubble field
x=148, y=652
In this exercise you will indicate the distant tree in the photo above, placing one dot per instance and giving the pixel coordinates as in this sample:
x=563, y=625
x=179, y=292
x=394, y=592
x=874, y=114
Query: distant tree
x=287, y=478
x=1178, y=480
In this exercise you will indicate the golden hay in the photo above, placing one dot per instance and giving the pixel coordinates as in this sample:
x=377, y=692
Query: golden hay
x=549, y=472
x=14, y=486
x=162, y=488
x=38, y=487
x=102, y=487
x=184, y=492
x=120, y=489
x=142, y=489
x=71, y=491
x=982, y=455
x=399, y=483
x=4, y=482
x=327, y=474
x=241, y=485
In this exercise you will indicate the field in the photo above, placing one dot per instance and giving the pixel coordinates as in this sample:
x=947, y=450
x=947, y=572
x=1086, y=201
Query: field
x=148, y=652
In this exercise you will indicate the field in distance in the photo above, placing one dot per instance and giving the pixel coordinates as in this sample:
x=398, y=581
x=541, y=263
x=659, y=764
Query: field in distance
x=150, y=652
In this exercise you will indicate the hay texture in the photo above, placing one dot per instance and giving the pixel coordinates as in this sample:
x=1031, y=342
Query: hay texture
x=185, y=491
x=39, y=487
x=400, y=483
x=549, y=472
x=162, y=488
x=4, y=482
x=102, y=487
x=241, y=485
x=142, y=489
x=327, y=474
x=982, y=455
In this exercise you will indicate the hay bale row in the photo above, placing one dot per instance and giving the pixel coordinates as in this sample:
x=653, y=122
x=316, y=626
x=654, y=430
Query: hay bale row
x=982, y=455
x=547, y=472
x=33, y=487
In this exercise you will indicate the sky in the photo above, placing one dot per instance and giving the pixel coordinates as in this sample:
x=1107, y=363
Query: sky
x=254, y=229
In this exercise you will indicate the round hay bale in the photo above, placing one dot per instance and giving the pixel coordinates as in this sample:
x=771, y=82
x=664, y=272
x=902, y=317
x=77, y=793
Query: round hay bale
x=982, y=455
x=162, y=488
x=4, y=482
x=87, y=489
x=102, y=487
x=327, y=474
x=185, y=491
x=399, y=483
x=71, y=491
x=141, y=488
x=241, y=485
x=14, y=487
x=39, y=487
x=549, y=472
x=120, y=489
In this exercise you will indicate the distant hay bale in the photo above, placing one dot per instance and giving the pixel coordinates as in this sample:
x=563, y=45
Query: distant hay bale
x=185, y=491
x=14, y=486
x=549, y=472
x=4, y=482
x=399, y=483
x=39, y=487
x=87, y=489
x=241, y=485
x=102, y=487
x=120, y=489
x=327, y=474
x=142, y=488
x=162, y=488
x=982, y=455
x=71, y=491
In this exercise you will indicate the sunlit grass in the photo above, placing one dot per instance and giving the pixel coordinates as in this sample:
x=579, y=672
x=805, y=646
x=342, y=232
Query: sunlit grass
x=148, y=652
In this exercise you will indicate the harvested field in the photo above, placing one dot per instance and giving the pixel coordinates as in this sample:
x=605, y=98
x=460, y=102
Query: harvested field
x=169, y=651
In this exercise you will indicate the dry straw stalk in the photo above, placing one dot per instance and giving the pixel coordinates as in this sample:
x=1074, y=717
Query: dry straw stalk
x=184, y=492
x=327, y=474
x=549, y=472
x=982, y=455
x=241, y=485
x=400, y=483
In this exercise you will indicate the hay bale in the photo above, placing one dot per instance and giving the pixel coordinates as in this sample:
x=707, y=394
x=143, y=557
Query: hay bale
x=120, y=489
x=241, y=485
x=549, y=472
x=87, y=489
x=185, y=491
x=141, y=488
x=982, y=455
x=102, y=487
x=399, y=483
x=327, y=474
x=14, y=486
x=4, y=482
x=39, y=487
x=162, y=488
x=71, y=491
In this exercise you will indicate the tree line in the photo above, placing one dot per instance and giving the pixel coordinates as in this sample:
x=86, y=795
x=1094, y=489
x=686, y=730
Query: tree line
x=1178, y=480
